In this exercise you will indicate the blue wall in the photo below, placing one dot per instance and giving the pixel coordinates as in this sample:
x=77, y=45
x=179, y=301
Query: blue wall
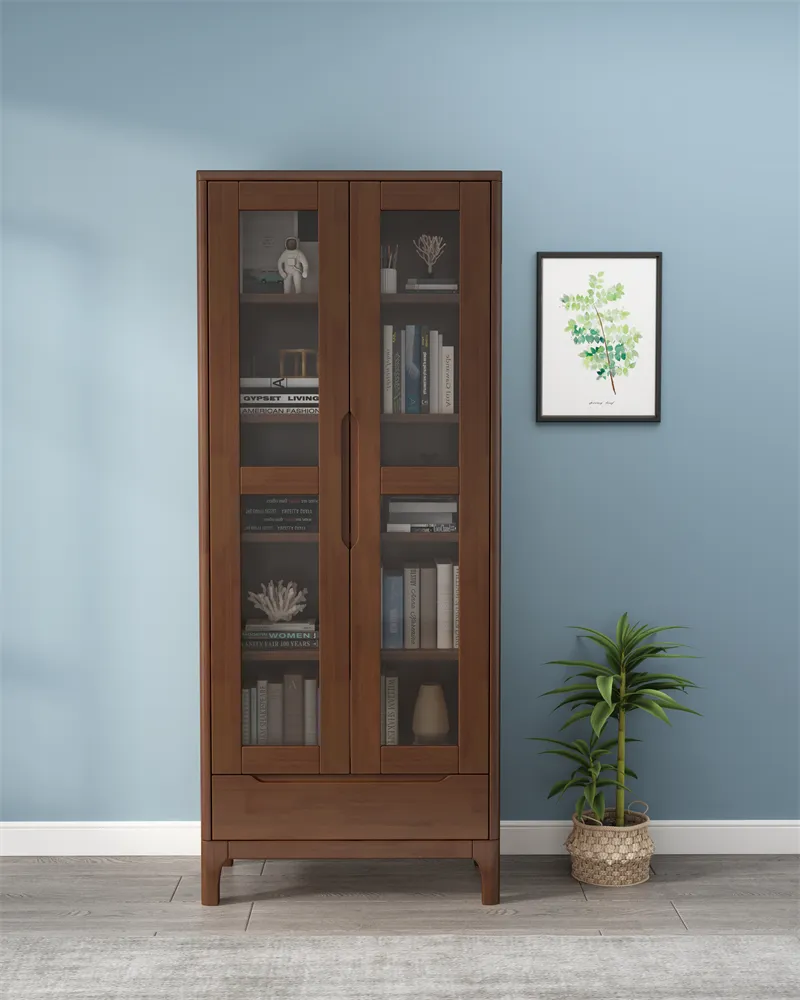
x=618, y=126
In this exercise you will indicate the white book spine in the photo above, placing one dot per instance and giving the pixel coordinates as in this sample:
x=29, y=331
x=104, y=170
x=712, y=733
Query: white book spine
x=245, y=717
x=387, y=369
x=455, y=606
x=427, y=607
x=275, y=714
x=310, y=711
x=411, y=607
x=262, y=713
x=444, y=604
x=447, y=380
x=392, y=721
x=253, y=716
x=293, y=721
x=397, y=527
x=436, y=341
x=383, y=709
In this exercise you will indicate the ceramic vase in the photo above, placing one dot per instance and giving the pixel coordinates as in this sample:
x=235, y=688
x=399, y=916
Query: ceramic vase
x=430, y=723
x=389, y=280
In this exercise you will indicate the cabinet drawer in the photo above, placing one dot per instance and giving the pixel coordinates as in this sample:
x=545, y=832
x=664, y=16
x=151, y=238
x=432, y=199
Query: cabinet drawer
x=246, y=807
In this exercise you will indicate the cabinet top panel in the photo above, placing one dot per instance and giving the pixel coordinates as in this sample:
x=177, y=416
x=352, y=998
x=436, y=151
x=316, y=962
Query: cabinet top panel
x=351, y=175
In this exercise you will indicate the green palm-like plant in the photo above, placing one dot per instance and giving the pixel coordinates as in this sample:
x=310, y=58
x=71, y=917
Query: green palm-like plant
x=590, y=773
x=622, y=684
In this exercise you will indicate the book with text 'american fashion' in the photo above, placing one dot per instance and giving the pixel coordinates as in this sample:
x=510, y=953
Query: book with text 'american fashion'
x=392, y=609
x=447, y=380
x=436, y=343
x=383, y=709
x=388, y=347
x=392, y=709
x=444, y=604
x=281, y=382
x=245, y=717
x=456, y=620
x=253, y=716
x=411, y=607
x=397, y=370
x=274, y=411
x=262, y=712
x=412, y=388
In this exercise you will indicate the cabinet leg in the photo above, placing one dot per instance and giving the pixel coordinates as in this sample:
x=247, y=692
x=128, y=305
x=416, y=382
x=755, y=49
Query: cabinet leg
x=227, y=863
x=213, y=854
x=486, y=854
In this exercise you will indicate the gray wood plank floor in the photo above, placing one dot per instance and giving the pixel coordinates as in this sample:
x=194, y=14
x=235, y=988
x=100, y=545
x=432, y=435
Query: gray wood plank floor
x=146, y=896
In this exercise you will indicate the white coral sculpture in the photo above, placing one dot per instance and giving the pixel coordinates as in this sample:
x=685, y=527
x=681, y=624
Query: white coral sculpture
x=430, y=248
x=278, y=602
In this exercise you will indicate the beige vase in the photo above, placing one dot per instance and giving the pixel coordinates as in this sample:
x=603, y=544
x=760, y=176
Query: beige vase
x=430, y=722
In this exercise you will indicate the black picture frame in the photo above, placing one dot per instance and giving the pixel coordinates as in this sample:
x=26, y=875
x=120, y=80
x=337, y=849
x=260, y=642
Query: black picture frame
x=655, y=416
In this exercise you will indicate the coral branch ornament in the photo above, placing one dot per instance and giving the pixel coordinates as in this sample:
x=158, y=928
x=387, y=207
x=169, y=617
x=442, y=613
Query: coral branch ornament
x=430, y=248
x=278, y=602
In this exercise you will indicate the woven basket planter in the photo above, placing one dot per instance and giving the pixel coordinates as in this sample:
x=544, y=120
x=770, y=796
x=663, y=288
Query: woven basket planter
x=611, y=855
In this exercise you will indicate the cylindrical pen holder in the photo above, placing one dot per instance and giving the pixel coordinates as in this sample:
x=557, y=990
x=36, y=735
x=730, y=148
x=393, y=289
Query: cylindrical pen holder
x=389, y=280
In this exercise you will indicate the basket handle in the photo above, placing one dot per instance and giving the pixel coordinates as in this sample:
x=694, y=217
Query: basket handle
x=641, y=803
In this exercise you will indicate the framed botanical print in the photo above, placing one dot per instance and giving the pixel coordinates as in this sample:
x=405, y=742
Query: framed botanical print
x=598, y=337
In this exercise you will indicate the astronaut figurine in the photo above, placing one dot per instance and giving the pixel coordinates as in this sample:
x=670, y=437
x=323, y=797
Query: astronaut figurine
x=292, y=265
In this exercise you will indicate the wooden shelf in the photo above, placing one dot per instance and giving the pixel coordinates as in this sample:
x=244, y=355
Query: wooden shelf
x=280, y=536
x=417, y=298
x=417, y=655
x=269, y=655
x=278, y=299
x=419, y=418
x=420, y=537
x=279, y=418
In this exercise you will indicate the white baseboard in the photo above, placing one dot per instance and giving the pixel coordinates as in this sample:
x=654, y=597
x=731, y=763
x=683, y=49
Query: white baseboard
x=516, y=837
x=671, y=836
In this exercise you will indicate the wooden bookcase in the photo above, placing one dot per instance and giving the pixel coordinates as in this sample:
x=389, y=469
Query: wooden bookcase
x=353, y=750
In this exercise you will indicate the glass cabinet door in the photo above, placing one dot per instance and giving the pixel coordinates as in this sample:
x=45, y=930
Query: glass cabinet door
x=420, y=288
x=278, y=400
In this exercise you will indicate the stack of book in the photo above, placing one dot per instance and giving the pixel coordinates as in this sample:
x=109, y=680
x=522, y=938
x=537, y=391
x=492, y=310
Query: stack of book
x=418, y=371
x=415, y=514
x=263, y=396
x=420, y=606
x=431, y=284
x=282, y=713
x=390, y=697
x=260, y=634
x=280, y=514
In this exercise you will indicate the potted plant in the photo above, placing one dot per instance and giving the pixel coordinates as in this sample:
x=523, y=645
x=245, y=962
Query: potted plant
x=612, y=846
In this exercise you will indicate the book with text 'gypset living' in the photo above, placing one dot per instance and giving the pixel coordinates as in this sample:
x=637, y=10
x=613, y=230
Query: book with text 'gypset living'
x=388, y=374
x=392, y=609
x=444, y=604
x=427, y=607
x=262, y=712
x=425, y=371
x=411, y=607
x=412, y=385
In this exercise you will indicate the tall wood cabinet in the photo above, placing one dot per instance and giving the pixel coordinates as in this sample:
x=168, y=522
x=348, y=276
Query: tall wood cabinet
x=349, y=445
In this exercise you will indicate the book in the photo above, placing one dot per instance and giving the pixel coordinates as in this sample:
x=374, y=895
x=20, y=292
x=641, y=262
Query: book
x=427, y=607
x=412, y=368
x=388, y=336
x=444, y=604
x=253, y=716
x=437, y=529
x=245, y=717
x=267, y=643
x=392, y=710
x=383, y=709
x=455, y=606
x=269, y=527
x=274, y=713
x=435, y=338
x=283, y=505
x=424, y=371
x=402, y=339
x=431, y=288
x=293, y=716
x=277, y=398
x=262, y=713
x=411, y=607
x=447, y=380
x=310, y=711
x=281, y=382
x=417, y=506
x=262, y=625
x=262, y=411
x=392, y=610
x=432, y=280
x=397, y=363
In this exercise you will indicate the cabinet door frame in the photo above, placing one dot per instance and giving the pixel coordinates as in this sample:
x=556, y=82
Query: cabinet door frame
x=471, y=480
x=227, y=480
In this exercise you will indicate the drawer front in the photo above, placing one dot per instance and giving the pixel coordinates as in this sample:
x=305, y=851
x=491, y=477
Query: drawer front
x=246, y=807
